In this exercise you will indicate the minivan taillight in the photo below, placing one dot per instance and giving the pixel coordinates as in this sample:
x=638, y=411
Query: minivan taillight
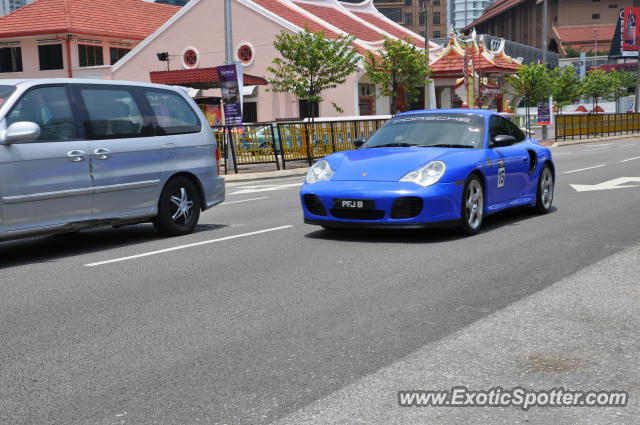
x=218, y=158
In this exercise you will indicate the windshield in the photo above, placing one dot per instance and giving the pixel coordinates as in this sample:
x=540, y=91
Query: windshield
x=5, y=92
x=430, y=130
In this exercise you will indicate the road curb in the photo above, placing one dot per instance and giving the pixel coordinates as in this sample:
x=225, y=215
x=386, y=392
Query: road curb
x=269, y=175
x=595, y=140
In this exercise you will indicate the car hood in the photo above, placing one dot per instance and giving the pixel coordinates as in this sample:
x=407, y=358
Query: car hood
x=385, y=164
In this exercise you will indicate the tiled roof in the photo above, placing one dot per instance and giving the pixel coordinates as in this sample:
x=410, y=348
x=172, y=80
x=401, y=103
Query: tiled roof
x=343, y=21
x=299, y=19
x=494, y=10
x=585, y=33
x=386, y=26
x=451, y=62
x=130, y=19
x=203, y=76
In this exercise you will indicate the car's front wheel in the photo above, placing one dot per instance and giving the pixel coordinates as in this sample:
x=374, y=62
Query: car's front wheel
x=178, y=208
x=544, y=197
x=472, y=206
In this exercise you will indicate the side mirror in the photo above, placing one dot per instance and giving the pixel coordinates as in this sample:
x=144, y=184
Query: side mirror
x=22, y=131
x=359, y=142
x=502, y=140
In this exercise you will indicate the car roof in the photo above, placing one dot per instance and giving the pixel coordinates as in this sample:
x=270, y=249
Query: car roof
x=40, y=81
x=481, y=112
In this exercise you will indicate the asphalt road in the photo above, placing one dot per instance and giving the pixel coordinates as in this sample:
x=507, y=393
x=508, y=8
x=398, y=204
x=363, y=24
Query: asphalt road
x=257, y=315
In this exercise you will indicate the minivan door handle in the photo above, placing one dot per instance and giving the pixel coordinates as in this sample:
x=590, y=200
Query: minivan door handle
x=102, y=153
x=76, y=155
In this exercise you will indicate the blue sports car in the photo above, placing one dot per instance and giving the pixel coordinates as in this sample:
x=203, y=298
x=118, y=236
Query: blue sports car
x=430, y=168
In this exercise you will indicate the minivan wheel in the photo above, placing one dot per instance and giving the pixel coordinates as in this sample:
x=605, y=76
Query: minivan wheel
x=472, y=206
x=178, y=208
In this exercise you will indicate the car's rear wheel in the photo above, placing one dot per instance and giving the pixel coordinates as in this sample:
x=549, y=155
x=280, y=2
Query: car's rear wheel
x=544, y=197
x=178, y=208
x=472, y=206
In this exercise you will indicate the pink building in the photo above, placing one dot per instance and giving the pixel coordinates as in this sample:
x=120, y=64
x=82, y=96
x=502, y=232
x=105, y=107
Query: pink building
x=121, y=39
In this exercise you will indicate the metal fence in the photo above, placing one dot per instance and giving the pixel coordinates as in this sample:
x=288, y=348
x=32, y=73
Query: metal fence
x=587, y=125
x=290, y=141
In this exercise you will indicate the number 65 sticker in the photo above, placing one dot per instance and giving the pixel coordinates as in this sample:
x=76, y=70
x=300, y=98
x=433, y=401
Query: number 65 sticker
x=501, y=173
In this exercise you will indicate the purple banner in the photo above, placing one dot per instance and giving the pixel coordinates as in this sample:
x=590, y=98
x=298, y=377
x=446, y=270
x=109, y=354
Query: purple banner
x=228, y=74
x=230, y=94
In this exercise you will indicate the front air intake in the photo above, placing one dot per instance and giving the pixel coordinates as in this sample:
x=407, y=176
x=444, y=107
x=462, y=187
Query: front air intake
x=313, y=204
x=407, y=207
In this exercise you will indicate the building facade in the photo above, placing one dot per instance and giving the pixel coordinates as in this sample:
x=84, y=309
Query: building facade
x=463, y=12
x=583, y=25
x=410, y=13
x=8, y=6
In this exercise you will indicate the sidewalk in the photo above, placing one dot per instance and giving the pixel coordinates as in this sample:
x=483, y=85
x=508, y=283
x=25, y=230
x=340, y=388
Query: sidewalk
x=580, y=333
x=569, y=142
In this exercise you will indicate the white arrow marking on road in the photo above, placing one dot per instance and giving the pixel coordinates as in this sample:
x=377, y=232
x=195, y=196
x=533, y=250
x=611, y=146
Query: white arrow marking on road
x=264, y=188
x=619, y=183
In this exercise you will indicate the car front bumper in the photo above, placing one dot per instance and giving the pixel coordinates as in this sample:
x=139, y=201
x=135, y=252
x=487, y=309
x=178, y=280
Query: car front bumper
x=441, y=203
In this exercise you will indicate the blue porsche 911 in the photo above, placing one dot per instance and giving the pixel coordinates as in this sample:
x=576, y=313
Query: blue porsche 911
x=430, y=168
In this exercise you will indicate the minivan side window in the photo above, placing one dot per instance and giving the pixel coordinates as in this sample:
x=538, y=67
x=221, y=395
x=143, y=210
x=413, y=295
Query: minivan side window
x=48, y=107
x=112, y=113
x=173, y=114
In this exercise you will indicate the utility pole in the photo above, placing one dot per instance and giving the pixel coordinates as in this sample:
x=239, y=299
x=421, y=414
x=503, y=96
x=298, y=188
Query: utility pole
x=544, y=31
x=427, y=89
x=544, y=54
x=228, y=59
x=228, y=34
x=425, y=12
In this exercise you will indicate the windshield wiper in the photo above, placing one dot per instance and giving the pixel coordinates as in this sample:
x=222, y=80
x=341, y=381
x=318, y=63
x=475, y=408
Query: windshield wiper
x=393, y=145
x=447, y=145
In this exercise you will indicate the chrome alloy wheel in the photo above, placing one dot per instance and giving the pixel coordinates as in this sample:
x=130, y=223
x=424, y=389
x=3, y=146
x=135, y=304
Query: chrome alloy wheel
x=546, y=188
x=181, y=207
x=474, y=204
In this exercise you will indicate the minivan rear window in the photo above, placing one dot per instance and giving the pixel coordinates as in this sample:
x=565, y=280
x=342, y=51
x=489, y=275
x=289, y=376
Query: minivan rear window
x=5, y=92
x=173, y=113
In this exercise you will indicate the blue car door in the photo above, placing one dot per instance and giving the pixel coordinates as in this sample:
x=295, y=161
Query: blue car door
x=508, y=166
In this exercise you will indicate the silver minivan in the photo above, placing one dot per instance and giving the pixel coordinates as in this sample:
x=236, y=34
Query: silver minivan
x=78, y=153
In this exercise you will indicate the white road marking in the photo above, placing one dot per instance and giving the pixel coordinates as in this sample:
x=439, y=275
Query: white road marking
x=244, y=200
x=619, y=183
x=583, y=169
x=191, y=245
x=265, y=188
x=630, y=159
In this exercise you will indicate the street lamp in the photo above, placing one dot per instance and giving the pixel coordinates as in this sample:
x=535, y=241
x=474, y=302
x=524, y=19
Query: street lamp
x=595, y=49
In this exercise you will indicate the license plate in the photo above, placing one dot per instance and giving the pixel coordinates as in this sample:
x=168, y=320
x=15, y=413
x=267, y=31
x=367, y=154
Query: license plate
x=353, y=204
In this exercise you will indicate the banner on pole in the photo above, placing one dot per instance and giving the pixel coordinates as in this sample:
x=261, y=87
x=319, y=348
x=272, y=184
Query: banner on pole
x=544, y=113
x=231, y=94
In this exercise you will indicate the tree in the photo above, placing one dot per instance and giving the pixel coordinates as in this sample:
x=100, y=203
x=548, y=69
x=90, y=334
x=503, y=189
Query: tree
x=531, y=82
x=595, y=85
x=620, y=84
x=565, y=86
x=311, y=63
x=398, y=65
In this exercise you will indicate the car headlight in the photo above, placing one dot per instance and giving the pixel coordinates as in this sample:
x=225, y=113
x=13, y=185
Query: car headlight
x=321, y=170
x=426, y=175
